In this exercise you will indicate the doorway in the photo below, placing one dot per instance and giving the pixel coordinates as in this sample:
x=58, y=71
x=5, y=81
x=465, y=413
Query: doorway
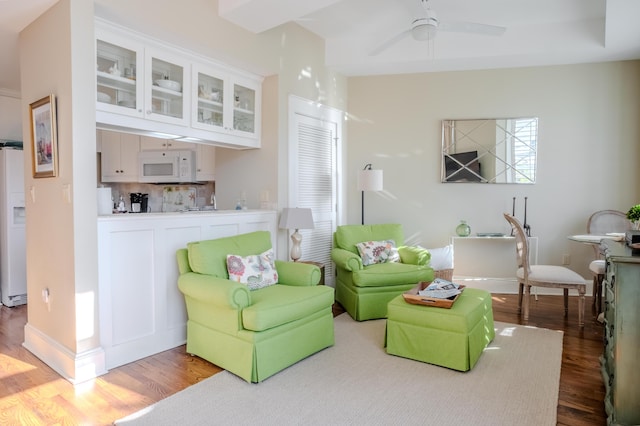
x=315, y=142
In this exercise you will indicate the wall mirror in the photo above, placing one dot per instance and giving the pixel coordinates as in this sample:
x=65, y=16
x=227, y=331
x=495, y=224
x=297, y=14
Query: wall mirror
x=500, y=150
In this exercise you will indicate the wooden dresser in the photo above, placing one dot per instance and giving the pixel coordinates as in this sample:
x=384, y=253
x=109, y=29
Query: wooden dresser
x=620, y=363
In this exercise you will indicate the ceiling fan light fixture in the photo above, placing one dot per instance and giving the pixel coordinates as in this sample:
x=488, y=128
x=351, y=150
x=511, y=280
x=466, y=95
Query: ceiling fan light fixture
x=424, y=28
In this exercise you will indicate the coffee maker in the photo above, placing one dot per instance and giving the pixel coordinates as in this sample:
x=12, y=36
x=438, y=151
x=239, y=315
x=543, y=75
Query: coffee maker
x=139, y=202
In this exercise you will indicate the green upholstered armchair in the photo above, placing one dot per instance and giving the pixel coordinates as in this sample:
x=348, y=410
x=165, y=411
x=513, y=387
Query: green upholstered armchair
x=364, y=291
x=253, y=334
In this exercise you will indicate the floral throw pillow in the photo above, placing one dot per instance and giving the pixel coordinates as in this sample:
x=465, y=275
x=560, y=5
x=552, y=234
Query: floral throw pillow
x=255, y=271
x=378, y=252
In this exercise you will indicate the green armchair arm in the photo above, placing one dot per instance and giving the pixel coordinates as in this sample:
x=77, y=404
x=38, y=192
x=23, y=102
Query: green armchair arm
x=346, y=260
x=297, y=274
x=414, y=255
x=214, y=290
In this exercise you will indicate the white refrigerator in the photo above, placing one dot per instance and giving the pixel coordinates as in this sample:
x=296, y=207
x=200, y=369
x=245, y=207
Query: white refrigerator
x=13, y=271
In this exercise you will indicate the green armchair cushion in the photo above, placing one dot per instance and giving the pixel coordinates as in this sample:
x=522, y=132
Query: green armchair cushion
x=385, y=274
x=209, y=257
x=347, y=236
x=280, y=304
x=414, y=255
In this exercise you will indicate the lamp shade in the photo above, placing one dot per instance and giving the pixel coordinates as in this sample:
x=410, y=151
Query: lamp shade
x=296, y=218
x=370, y=180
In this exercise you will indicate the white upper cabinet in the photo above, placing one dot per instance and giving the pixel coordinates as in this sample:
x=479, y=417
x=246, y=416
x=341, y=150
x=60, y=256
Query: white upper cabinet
x=147, y=143
x=225, y=102
x=209, y=101
x=167, y=87
x=119, y=158
x=117, y=63
x=245, y=103
x=147, y=85
x=205, y=162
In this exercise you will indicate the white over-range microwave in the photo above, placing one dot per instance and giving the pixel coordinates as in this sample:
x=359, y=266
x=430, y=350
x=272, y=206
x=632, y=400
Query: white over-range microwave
x=166, y=166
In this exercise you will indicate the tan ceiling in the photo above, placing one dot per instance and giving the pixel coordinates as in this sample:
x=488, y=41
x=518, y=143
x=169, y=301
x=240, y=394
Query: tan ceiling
x=538, y=32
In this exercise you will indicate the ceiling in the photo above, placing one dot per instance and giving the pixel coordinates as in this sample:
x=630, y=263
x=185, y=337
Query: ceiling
x=15, y=15
x=540, y=32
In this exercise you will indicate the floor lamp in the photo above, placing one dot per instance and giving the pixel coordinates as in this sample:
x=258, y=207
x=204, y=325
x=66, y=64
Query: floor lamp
x=369, y=180
x=296, y=218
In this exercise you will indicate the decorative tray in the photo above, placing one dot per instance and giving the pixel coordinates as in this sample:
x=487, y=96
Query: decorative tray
x=414, y=298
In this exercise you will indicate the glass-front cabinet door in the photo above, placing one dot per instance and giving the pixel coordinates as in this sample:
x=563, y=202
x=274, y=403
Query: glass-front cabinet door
x=244, y=108
x=117, y=86
x=209, y=102
x=224, y=102
x=166, y=88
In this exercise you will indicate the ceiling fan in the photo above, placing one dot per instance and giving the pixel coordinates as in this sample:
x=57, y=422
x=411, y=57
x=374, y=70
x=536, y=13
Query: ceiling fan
x=425, y=28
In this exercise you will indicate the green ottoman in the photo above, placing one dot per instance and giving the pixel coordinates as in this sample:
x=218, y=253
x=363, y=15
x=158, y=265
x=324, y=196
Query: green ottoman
x=452, y=338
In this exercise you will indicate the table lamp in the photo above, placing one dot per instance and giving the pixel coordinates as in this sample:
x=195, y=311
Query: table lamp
x=296, y=218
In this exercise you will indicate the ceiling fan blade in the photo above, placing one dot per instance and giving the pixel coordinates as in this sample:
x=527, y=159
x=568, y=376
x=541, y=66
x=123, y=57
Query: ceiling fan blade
x=393, y=40
x=471, y=28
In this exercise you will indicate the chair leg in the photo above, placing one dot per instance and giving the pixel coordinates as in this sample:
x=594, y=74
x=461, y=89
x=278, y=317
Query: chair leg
x=520, y=288
x=581, y=303
x=595, y=293
x=566, y=301
x=527, y=295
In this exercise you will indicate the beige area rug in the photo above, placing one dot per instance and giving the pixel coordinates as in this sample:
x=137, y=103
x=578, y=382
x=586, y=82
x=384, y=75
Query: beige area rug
x=355, y=382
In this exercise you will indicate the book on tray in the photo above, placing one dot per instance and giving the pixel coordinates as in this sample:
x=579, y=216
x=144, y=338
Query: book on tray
x=441, y=289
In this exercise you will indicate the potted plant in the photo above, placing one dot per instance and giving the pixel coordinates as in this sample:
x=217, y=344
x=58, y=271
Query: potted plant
x=634, y=216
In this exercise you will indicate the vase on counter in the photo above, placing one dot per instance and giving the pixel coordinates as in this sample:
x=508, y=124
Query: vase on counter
x=463, y=230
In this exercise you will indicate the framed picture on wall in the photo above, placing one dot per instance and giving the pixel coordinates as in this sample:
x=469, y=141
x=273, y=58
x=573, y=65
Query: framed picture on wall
x=44, y=137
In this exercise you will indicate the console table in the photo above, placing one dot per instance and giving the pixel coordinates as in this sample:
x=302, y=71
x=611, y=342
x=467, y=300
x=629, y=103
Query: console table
x=490, y=262
x=619, y=363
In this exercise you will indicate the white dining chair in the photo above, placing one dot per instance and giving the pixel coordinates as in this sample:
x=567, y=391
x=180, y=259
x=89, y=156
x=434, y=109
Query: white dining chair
x=551, y=276
x=603, y=222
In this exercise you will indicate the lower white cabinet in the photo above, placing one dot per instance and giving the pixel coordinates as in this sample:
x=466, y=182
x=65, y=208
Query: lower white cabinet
x=141, y=309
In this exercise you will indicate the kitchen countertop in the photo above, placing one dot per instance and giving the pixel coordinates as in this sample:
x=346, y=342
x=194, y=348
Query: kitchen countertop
x=196, y=213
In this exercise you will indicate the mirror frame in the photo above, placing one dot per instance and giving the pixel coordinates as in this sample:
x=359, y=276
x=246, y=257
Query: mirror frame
x=495, y=150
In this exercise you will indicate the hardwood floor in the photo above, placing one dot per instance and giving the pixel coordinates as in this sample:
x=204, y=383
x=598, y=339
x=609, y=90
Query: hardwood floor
x=33, y=394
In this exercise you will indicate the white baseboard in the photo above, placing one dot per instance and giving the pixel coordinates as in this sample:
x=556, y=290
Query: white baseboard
x=75, y=367
x=510, y=286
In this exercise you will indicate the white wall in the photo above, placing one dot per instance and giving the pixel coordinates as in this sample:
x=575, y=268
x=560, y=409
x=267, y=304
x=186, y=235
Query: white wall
x=10, y=118
x=302, y=73
x=61, y=211
x=589, y=148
